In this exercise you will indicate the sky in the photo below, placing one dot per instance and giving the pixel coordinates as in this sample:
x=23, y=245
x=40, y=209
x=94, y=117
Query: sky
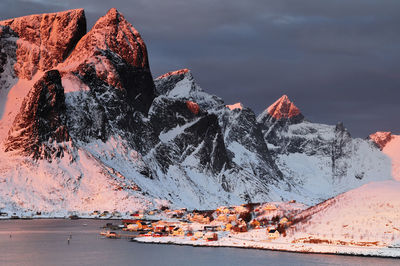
x=336, y=60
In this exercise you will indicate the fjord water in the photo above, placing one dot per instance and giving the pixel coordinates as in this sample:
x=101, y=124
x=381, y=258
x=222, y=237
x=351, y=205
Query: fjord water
x=44, y=242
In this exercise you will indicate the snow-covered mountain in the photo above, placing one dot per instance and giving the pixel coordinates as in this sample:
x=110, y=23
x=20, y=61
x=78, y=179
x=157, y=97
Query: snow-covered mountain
x=322, y=159
x=83, y=126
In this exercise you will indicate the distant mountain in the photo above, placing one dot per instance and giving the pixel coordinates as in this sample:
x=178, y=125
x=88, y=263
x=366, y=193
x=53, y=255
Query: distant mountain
x=85, y=127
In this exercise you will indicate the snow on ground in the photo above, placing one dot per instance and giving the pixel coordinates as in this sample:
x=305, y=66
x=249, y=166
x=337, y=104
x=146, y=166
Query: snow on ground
x=369, y=214
x=11, y=100
x=239, y=241
x=75, y=183
x=173, y=133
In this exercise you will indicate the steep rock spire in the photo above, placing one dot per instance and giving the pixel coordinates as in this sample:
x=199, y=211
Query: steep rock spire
x=283, y=110
x=113, y=55
x=113, y=33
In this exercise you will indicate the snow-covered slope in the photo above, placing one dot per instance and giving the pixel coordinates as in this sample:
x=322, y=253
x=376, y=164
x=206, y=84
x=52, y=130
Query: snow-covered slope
x=369, y=215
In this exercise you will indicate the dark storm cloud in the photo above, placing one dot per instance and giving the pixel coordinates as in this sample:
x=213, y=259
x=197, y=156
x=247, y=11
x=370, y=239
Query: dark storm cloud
x=338, y=60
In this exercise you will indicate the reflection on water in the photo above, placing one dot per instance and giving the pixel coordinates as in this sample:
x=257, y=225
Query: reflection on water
x=44, y=242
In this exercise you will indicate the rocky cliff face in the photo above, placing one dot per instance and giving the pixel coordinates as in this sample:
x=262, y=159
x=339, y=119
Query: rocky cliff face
x=277, y=118
x=40, y=130
x=45, y=40
x=8, y=48
x=109, y=80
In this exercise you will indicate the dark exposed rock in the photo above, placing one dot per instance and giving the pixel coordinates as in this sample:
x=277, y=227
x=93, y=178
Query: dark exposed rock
x=181, y=84
x=201, y=135
x=276, y=118
x=241, y=126
x=39, y=130
x=111, y=60
x=8, y=57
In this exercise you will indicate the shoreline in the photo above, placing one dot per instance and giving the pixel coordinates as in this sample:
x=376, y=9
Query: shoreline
x=149, y=240
x=249, y=244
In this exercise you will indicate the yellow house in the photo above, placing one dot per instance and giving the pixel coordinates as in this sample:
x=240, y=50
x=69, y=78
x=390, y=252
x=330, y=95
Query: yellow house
x=178, y=232
x=135, y=227
x=222, y=218
x=231, y=218
x=273, y=234
x=228, y=227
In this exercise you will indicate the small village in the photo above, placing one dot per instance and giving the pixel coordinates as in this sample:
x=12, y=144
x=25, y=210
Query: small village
x=207, y=225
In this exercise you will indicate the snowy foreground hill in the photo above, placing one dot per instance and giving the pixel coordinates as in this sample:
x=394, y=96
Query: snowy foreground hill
x=84, y=127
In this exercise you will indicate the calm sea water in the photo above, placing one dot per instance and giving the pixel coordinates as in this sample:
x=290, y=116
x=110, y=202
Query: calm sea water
x=44, y=242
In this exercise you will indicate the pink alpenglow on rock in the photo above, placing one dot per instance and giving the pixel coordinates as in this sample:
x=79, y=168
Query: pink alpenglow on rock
x=381, y=138
x=390, y=146
x=45, y=40
x=114, y=33
x=235, y=106
x=283, y=108
x=193, y=107
x=174, y=73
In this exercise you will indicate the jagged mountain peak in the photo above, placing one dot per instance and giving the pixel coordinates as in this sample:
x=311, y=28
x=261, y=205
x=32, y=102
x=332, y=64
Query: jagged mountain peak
x=111, y=59
x=181, y=84
x=45, y=40
x=180, y=72
x=113, y=33
x=283, y=108
x=381, y=138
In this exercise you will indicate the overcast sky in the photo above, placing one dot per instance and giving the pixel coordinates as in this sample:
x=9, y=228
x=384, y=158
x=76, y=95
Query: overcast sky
x=337, y=60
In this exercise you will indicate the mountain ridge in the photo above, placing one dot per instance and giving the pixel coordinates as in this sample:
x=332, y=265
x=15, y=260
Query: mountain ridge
x=111, y=131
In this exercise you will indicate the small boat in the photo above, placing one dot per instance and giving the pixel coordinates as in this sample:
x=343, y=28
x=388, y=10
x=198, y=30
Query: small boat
x=110, y=234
